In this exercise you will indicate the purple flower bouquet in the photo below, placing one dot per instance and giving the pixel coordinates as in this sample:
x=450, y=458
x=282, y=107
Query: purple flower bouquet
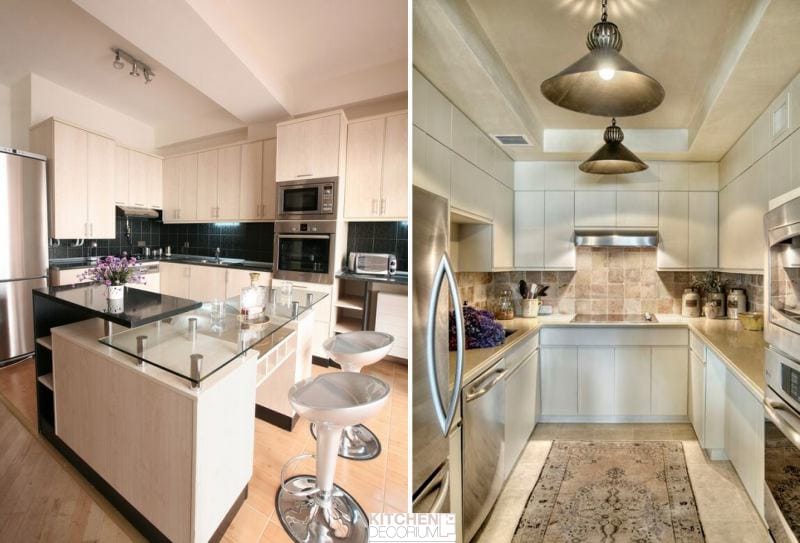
x=113, y=271
x=481, y=330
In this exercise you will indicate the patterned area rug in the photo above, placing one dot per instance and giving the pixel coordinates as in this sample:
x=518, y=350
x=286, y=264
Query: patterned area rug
x=612, y=492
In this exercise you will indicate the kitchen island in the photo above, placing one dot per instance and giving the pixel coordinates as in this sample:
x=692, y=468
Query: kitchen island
x=154, y=402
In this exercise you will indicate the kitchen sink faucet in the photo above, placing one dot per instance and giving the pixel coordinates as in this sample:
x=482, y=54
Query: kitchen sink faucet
x=216, y=255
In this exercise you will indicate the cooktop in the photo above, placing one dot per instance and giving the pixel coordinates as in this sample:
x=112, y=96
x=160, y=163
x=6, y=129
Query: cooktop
x=642, y=318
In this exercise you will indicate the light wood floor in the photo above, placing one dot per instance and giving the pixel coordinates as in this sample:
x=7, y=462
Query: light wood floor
x=43, y=499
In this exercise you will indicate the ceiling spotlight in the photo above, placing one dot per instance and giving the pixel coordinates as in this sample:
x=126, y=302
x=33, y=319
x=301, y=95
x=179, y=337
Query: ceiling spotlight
x=135, y=70
x=118, y=64
x=613, y=157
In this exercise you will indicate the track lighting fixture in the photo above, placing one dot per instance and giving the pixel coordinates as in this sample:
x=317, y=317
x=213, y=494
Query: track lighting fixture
x=137, y=66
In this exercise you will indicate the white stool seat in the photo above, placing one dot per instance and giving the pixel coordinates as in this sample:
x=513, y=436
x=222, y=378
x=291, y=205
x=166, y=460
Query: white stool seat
x=343, y=399
x=355, y=350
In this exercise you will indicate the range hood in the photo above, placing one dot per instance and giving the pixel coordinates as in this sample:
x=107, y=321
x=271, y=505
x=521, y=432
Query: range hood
x=619, y=237
x=142, y=212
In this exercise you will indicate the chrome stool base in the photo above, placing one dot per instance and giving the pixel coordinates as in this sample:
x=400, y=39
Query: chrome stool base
x=358, y=443
x=315, y=518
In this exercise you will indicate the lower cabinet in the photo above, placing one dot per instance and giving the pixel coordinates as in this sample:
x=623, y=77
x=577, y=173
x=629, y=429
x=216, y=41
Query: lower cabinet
x=744, y=438
x=697, y=385
x=559, y=372
x=670, y=380
x=632, y=381
x=201, y=283
x=595, y=381
x=174, y=279
x=522, y=383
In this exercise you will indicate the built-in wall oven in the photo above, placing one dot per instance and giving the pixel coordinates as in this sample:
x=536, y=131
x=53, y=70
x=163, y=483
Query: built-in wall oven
x=782, y=281
x=304, y=251
x=313, y=199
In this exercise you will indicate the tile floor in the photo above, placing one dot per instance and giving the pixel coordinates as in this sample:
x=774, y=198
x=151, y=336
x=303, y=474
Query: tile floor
x=726, y=512
x=379, y=485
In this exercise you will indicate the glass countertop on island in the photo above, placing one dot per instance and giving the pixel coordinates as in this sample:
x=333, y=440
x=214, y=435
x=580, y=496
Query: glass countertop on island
x=196, y=344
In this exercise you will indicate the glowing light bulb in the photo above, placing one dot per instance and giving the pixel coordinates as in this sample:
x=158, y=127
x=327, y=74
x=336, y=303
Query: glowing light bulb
x=607, y=74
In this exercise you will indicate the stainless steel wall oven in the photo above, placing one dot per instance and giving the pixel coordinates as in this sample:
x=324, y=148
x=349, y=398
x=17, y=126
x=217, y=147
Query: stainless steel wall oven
x=304, y=251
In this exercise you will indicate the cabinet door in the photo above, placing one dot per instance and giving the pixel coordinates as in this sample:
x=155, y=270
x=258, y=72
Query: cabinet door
x=365, y=146
x=187, y=167
x=229, y=175
x=530, y=376
x=595, y=381
x=394, y=188
x=250, y=207
x=100, y=170
x=632, y=381
x=294, y=152
x=121, y=176
x=637, y=209
x=174, y=279
x=269, y=192
x=207, y=175
x=559, y=374
x=673, y=230
x=206, y=283
x=325, y=134
x=697, y=381
x=529, y=229
x=137, y=178
x=419, y=106
x=716, y=375
x=595, y=208
x=559, y=230
x=440, y=116
x=470, y=189
x=670, y=371
x=779, y=169
x=172, y=189
x=236, y=280
x=744, y=438
x=743, y=204
x=69, y=195
x=703, y=224
x=434, y=172
x=155, y=182
x=391, y=317
x=503, y=227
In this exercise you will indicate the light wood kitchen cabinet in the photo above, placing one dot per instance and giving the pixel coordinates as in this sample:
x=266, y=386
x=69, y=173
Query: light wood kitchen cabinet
x=670, y=374
x=528, y=229
x=595, y=209
x=391, y=317
x=377, y=171
x=236, y=280
x=559, y=378
x=742, y=204
x=257, y=190
x=154, y=173
x=180, y=188
x=503, y=228
x=207, y=173
x=559, y=230
x=137, y=179
x=174, y=279
x=744, y=438
x=673, y=230
x=309, y=148
x=121, y=186
x=207, y=283
x=637, y=209
x=218, y=183
x=631, y=381
x=595, y=381
x=172, y=189
x=269, y=190
x=80, y=167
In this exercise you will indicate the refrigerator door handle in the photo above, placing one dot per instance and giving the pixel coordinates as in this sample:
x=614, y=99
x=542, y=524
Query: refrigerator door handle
x=445, y=418
x=440, y=483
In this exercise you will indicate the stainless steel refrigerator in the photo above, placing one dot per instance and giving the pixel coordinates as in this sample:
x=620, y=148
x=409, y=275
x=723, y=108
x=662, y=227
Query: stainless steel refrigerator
x=436, y=382
x=23, y=248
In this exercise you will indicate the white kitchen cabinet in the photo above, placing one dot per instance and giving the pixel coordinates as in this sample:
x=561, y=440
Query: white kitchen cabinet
x=559, y=175
x=595, y=381
x=207, y=283
x=673, y=230
x=503, y=227
x=761, y=139
x=309, y=148
x=464, y=136
x=520, y=407
x=645, y=180
x=559, y=230
x=174, y=279
x=795, y=148
x=439, y=116
x=559, y=378
x=714, y=433
x=471, y=189
x=779, y=169
x=121, y=159
x=697, y=386
x=744, y=438
x=391, y=317
x=420, y=100
x=59, y=277
x=152, y=283
x=637, y=209
x=742, y=205
x=207, y=173
x=236, y=280
x=674, y=176
x=529, y=175
x=704, y=176
x=529, y=229
x=137, y=179
x=250, y=189
x=594, y=181
x=632, y=381
x=779, y=117
x=100, y=213
x=703, y=230
x=394, y=185
x=670, y=374
x=432, y=164
x=595, y=209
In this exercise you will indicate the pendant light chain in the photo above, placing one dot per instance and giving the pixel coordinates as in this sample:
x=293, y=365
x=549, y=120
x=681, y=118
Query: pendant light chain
x=605, y=9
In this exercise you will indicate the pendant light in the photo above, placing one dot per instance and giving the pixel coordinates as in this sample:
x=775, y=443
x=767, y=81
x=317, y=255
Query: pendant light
x=613, y=157
x=603, y=82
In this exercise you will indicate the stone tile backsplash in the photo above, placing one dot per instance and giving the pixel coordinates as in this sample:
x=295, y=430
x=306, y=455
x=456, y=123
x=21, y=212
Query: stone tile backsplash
x=607, y=280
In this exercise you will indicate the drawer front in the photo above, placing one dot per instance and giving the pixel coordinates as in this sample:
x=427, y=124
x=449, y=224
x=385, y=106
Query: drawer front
x=697, y=346
x=607, y=335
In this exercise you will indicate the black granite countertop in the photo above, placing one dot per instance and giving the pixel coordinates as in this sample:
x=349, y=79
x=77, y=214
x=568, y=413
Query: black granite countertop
x=234, y=264
x=399, y=278
x=138, y=307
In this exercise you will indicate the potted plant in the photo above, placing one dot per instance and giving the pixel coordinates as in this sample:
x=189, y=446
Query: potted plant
x=115, y=273
x=712, y=287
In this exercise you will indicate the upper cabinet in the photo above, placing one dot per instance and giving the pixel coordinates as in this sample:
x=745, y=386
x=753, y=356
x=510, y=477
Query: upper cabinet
x=257, y=193
x=80, y=171
x=377, y=168
x=137, y=179
x=310, y=148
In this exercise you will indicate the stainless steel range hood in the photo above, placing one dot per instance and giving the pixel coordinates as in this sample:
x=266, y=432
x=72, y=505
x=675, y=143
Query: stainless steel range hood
x=142, y=212
x=619, y=237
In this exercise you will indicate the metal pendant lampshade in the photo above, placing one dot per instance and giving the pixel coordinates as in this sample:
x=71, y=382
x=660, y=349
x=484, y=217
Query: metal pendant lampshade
x=613, y=157
x=603, y=82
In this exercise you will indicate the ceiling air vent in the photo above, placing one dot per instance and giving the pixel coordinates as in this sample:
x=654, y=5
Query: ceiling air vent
x=512, y=140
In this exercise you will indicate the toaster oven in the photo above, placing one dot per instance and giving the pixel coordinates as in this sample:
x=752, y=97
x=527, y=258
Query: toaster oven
x=372, y=263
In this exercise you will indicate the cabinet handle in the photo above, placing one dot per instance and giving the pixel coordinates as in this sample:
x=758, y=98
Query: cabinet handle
x=304, y=175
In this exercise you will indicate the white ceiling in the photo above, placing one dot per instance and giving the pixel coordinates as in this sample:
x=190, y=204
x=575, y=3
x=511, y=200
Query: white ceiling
x=490, y=57
x=220, y=66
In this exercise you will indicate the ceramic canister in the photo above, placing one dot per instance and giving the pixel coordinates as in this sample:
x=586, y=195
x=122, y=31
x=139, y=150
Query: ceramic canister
x=690, y=303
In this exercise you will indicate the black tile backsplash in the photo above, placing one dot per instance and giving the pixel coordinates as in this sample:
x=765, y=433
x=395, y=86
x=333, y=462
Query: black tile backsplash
x=380, y=237
x=251, y=241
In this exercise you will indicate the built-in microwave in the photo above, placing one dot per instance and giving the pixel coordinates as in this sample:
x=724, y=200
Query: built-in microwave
x=311, y=199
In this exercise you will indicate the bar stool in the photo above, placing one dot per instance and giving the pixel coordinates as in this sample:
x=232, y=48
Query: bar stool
x=312, y=509
x=353, y=351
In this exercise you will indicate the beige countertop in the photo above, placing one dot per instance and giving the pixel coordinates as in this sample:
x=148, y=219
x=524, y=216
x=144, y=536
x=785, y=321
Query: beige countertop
x=740, y=349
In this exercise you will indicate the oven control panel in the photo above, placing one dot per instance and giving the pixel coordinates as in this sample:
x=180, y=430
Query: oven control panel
x=305, y=227
x=327, y=198
x=790, y=382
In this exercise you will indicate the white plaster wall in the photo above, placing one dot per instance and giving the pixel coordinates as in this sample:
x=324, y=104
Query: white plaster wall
x=20, y=103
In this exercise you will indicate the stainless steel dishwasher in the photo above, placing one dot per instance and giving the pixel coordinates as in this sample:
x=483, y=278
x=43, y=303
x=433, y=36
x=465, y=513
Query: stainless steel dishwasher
x=483, y=451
